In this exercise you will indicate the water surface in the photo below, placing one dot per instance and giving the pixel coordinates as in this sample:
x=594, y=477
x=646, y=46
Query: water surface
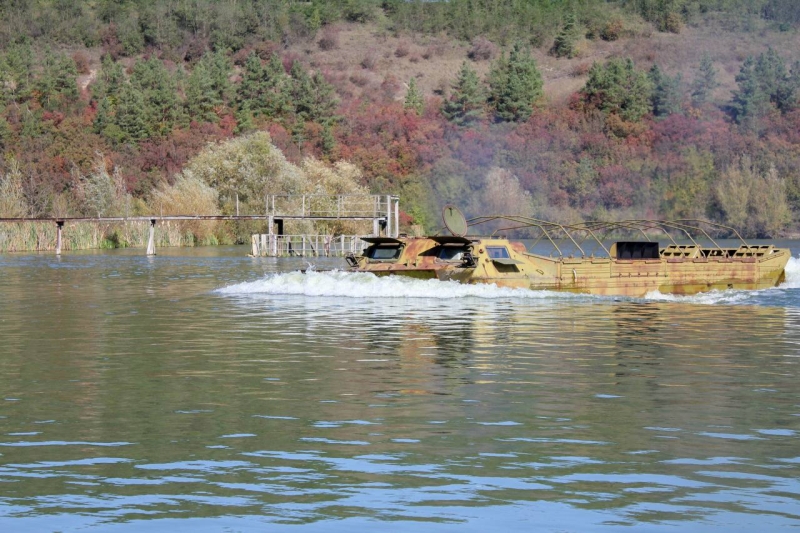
x=201, y=390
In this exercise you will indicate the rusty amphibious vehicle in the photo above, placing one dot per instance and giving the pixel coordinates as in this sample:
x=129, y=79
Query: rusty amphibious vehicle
x=630, y=267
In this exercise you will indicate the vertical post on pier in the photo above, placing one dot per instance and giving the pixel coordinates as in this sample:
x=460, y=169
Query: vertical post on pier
x=272, y=248
x=389, y=216
x=151, y=242
x=396, y=216
x=59, y=226
x=237, y=204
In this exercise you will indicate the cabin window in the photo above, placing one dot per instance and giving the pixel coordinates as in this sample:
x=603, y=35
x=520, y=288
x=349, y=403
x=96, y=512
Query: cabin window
x=497, y=252
x=637, y=250
x=383, y=253
x=451, y=253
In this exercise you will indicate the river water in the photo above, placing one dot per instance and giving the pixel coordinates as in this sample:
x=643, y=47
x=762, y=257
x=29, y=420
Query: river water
x=202, y=390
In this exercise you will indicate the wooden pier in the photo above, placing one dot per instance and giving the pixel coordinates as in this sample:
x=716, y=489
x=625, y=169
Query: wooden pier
x=382, y=211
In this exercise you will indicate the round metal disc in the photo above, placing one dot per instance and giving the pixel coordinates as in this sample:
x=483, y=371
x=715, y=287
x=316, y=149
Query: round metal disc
x=454, y=220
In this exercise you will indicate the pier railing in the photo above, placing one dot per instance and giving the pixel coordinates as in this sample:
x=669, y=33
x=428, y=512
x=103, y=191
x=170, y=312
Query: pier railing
x=382, y=211
x=305, y=245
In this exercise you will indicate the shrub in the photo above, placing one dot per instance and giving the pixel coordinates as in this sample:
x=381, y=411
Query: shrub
x=330, y=39
x=81, y=62
x=403, y=49
x=482, y=49
x=370, y=60
x=612, y=30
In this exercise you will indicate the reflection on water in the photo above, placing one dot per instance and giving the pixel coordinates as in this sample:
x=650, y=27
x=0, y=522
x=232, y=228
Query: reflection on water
x=206, y=392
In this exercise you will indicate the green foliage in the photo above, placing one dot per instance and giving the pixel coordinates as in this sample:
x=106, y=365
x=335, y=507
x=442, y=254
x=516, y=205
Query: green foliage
x=414, y=100
x=705, y=81
x=567, y=39
x=57, y=85
x=515, y=85
x=667, y=95
x=131, y=114
x=750, y=102
x=202, y=96
x=314, y=98
x=467, y=103
x=618, y=88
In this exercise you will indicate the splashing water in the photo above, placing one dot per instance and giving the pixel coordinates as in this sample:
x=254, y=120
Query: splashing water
x=343, y=284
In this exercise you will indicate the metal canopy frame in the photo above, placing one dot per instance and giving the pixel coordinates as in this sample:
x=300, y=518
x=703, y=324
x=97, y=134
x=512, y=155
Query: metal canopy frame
x=597, y=231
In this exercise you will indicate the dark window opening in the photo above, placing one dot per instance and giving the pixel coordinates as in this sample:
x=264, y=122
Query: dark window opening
x=383, y=253
x=451, y=253
x=637, y=250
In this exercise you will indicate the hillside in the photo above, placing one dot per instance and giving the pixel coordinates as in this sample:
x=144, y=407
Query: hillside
x=134, y=90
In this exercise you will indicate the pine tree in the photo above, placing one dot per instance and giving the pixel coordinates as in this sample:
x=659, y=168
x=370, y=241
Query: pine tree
x=130, y=115
x=162, y=109
x=749, y=103
x=202, y=98
x=516, y=84
x=666, y=98
x=414, y=100
x=276, y=96
x=58, y=83
x=567, y=38
x=618, y=88
x=467, y=103
x=110, y=80
x=324, y=100
x=252, y=85
x=705, y=81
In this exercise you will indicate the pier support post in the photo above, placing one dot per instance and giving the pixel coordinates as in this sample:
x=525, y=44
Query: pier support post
x=151, y=242
x=59, y=226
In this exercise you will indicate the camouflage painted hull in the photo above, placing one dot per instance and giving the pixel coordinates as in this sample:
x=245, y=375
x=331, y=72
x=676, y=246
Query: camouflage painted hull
x=674, y=269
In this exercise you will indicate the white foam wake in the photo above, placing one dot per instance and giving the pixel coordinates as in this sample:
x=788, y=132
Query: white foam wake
x=365, y=285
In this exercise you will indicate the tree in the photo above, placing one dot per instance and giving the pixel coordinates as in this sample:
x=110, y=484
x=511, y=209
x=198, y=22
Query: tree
x=567, y=38
x=467, y=103
x=414, y=100
x=57, y=85
x=705, y=81
x=202, y=97
x=666, y=99
x=618, y=88
x=131, y=113
x=159, y=91
x=515, y=85
x=750, y=103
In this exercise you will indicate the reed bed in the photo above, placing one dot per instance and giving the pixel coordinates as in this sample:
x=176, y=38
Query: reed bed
x=42, y=236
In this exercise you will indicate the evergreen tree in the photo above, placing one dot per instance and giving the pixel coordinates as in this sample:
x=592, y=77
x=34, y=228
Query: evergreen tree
x=19, y=58
x=202, y=98
x=219, y=68
x=705, y=81
x=158, y=88
x=515, y=84
x=58, y=84
x=302, y=89
x=130, y=114
x=324, y=100
x=666, y=99
x=253, y=83
x=776, y=82
x=749, y=103
x=567, y=38
x=244, y=118
x=109, y=81
x=104, y=115
x=467, y=103
x=618, y=88
x=276, y=100
x=414, y=100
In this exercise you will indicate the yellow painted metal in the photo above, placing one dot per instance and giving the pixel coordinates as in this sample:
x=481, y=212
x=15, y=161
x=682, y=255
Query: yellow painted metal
x=679, y=269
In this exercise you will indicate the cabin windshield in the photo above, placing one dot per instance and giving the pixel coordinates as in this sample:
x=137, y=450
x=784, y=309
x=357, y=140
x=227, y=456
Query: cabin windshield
x=451, y=253
x=383, y=253
x=497, y=252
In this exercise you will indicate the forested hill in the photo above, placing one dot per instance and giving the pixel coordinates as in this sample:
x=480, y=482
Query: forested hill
x=566, y=110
